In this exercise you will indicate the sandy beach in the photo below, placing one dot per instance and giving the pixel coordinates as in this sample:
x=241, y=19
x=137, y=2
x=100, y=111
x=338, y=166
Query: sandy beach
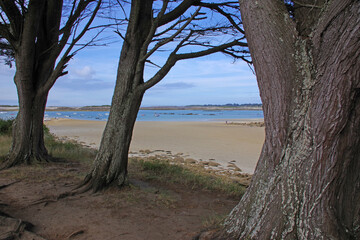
x=202, y=141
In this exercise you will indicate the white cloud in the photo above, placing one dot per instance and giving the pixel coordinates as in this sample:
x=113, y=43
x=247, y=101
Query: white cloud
x=85, y=72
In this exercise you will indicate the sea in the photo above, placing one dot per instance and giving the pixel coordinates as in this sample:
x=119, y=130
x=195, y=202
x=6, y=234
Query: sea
x=153, y=115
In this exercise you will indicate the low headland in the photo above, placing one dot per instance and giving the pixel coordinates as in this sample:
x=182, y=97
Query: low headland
x=188, y=107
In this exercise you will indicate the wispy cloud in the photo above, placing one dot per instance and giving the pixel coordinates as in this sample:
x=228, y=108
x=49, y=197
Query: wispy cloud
x=171, y=86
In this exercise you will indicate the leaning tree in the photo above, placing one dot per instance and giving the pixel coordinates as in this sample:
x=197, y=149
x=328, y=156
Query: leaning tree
x=306, y=184
x=187, y=29
x=41, y=36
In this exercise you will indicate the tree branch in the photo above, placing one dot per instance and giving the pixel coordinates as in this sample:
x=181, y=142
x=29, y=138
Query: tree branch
x=75, y=14
x=14, y=16
x=173, y=58
x=171, y=38
x=216, y=7
x=177, y=12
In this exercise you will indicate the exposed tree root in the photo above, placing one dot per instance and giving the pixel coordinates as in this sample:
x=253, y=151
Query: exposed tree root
x=207, y=235
x=17, y=160
x=11, y=228
x=88, y=184
x=75, y=234
x=9, y=184
x=56, y=198
x=97, y=184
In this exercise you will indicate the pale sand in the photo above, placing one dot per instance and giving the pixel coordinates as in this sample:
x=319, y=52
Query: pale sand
x=199, y=140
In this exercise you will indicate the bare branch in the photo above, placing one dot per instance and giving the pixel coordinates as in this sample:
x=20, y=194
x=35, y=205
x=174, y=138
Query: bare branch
x=119, y=33
x=14, y=16
x=152, y=63
x=75, y=14
x=216, y=7
x=177, y=12
x=172, y=27
x=171, y=38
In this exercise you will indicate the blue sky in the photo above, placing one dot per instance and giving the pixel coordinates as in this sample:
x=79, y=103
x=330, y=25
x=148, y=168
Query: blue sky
x=213, y=79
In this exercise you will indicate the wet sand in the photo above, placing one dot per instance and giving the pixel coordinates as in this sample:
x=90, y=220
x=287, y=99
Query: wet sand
x=203, y=141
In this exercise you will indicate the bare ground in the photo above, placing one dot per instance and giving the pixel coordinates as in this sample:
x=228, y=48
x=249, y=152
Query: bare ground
x=144, y=210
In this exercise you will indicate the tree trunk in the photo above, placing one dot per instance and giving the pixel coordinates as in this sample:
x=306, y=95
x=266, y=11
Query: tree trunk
x=28, y=133
x=307, y=181
x=110, y=165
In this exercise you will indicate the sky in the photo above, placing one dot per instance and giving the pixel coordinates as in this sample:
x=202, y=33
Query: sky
x=92, y=73
x=214, y=79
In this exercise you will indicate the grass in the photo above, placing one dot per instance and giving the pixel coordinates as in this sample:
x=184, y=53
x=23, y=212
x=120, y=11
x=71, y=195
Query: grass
x=162, y=171
x=69, y=150
x=213, y=221
x=5, y=143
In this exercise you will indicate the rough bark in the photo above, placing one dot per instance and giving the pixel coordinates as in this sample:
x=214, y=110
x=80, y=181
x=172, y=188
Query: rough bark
x=307, y=181
x=28, y=133
x=110, y=165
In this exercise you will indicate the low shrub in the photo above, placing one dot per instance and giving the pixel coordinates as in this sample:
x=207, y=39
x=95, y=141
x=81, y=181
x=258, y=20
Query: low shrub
x=6, y=126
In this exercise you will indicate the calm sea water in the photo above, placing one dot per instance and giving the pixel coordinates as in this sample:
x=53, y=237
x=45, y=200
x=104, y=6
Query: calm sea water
x=154, y=115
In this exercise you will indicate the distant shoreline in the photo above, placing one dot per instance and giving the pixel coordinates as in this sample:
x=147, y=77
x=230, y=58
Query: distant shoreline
x=107, y=108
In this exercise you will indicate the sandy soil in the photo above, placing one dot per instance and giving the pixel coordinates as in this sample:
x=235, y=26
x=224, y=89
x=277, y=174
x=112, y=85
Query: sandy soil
x=202, y=141
x=146, y=210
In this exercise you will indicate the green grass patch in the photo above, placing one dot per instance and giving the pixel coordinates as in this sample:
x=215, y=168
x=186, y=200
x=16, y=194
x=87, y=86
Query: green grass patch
x=5, y=144
x=69, y=150
x=189, y=176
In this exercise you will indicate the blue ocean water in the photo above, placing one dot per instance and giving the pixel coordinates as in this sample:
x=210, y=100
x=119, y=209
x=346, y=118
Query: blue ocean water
x=153, y=115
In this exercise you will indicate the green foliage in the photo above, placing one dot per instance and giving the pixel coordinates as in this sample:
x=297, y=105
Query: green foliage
x=6, y=126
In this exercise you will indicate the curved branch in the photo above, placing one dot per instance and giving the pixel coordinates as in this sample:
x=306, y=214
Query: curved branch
x=177, y=12
x=173, y=58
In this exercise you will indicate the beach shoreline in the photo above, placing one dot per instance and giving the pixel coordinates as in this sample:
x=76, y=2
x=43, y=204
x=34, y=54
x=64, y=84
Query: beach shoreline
x=218, y=141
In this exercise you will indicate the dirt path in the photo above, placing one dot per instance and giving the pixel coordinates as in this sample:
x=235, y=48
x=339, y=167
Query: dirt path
x=145, y=210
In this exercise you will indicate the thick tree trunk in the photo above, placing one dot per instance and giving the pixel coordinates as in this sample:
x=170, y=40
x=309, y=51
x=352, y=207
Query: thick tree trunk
x=28, y=133
x=110, y=165
x=307, y=181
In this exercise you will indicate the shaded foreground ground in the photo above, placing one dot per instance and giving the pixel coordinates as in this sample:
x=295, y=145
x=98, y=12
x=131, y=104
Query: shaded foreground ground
x=144, y=210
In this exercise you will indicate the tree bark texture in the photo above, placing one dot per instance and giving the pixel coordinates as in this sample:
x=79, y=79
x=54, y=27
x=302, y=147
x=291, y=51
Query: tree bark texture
x=307, y=181
x=35, y=61
x=110, y=165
